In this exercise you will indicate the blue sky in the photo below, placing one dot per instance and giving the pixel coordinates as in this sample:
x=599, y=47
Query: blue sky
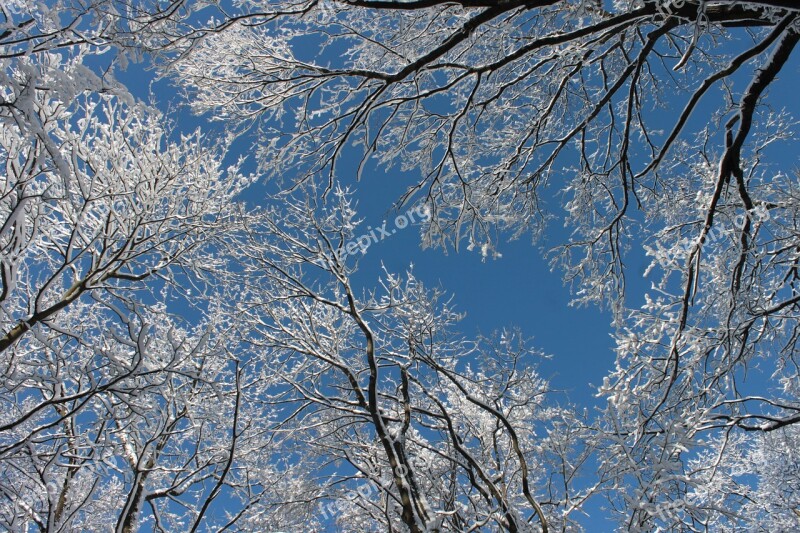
x=515, y=290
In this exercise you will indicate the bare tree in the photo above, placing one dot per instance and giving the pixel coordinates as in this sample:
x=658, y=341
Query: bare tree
x=648, y=117
x=106, y=215
x=418, y=428
x=118, y=413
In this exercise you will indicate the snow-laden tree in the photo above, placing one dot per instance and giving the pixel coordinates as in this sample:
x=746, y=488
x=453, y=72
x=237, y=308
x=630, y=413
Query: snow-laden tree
x=408, y=425
x=106, y=215
x=647, y=120
x=288, y=399
x=274, y=403
x=97, y=192
x=99, y=199
x=137, y=421
x=297, y=402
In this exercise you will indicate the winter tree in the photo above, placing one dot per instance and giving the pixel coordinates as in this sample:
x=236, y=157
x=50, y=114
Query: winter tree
x=406, y=424
x=105, y=215
x=175, y=360
x=647, y=122
x=164, y=349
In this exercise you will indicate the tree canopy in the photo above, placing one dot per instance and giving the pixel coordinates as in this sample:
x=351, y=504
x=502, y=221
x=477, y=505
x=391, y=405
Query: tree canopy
x=184, y=343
